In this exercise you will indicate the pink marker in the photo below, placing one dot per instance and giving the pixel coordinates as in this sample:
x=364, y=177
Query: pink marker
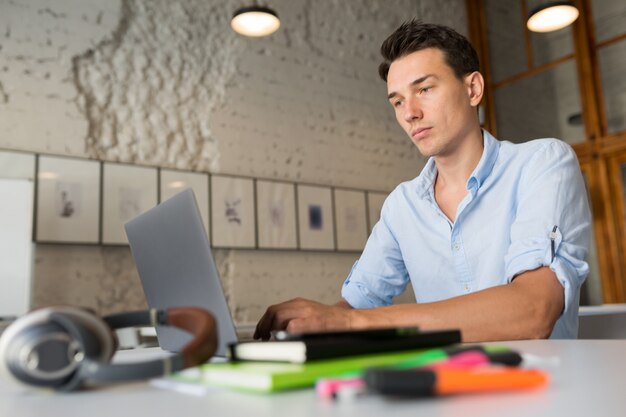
x=328, y=388
x=462, y=360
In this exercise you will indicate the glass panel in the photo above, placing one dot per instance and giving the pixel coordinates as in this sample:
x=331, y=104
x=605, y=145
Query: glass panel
x=544, y=105
x=550, y=46
x=591, y=291
x=505, y=32
x=612, y=60
x=609, y=18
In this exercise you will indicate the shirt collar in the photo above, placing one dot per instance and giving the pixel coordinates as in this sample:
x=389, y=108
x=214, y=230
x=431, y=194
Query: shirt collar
x=426, y=178
x=491, y=147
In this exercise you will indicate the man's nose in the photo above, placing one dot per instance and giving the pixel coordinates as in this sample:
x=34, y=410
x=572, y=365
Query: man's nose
x=413, y=111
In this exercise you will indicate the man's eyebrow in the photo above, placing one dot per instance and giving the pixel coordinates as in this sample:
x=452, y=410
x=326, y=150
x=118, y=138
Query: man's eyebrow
x=413, y=83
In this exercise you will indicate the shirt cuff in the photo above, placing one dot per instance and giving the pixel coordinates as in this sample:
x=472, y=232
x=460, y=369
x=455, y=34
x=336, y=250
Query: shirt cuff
x=540, y=255
x=358, y=295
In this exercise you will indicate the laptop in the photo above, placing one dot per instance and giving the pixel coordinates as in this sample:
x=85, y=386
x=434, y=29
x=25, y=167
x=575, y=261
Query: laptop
x=176, y=267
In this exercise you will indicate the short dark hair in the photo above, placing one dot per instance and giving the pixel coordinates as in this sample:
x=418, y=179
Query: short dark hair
x=413, y=36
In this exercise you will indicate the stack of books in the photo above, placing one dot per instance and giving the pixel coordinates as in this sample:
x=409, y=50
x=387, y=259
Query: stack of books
x=298, y=361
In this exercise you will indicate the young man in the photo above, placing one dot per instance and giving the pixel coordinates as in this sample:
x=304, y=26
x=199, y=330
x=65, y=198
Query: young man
x=492, y=235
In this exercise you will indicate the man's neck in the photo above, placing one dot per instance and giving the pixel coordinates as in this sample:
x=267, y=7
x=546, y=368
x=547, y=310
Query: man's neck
x=454, y=170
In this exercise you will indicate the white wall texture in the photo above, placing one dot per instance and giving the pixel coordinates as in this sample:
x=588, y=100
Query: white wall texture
x=167, y=83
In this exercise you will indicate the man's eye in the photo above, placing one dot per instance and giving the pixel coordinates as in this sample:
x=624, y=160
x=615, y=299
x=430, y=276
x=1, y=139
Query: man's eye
x=397, y=103
x=424, y=90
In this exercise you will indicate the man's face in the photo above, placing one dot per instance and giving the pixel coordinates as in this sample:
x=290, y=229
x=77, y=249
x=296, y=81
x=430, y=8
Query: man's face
x=432, y=105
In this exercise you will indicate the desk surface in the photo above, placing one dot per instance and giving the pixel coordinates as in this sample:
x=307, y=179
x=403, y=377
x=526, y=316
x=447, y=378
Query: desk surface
x=590, y=381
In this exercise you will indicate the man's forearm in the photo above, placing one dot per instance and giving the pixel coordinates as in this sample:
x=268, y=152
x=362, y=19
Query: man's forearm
x=525, y=309
x=343, y=303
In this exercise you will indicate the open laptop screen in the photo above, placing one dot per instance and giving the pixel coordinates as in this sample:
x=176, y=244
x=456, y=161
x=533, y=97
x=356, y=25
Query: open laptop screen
x=176, y=267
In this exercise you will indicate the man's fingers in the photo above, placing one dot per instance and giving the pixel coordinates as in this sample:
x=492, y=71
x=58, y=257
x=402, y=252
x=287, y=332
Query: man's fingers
x=281, y=316
x=277, y=317
x=285, y=315
x=302, y=325
x=263, y=326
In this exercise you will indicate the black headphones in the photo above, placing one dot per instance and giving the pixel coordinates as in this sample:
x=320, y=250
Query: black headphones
x=64, y=348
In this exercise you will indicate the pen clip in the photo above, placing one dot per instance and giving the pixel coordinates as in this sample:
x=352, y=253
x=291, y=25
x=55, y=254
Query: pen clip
x=553, y=236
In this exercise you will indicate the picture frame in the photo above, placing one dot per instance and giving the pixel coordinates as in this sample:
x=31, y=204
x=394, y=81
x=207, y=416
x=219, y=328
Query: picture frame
x=233, y=223
x=171, y=182
x=375, y=201
x=350, y=219
x=67, y=200
x=276, y=215
x=316, y=230
x=127, y=191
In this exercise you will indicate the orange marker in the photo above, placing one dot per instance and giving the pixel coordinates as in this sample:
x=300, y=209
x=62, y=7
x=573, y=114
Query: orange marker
x=446, y=381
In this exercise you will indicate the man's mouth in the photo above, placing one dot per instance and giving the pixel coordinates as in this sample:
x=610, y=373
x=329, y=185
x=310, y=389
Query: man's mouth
x=420, y=133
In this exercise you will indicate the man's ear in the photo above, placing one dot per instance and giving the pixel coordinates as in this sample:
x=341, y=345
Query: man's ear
x=475, y=84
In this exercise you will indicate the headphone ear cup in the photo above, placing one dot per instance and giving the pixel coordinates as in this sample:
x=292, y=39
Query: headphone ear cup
x=46, y=348
x=40, y=355
x=90, y=342
x=88, y=345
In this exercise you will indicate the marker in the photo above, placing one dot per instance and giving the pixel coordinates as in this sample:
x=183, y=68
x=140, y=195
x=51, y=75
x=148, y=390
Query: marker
x=462, y=360
x=332, y=388
x=492, y=354
x=446, y=381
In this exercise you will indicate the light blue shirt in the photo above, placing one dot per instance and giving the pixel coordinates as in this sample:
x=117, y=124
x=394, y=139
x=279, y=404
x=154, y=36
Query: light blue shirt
x=517, y=196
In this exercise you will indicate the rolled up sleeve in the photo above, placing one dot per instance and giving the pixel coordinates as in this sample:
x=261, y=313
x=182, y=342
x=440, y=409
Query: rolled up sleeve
x=553, y=221
x=380, y=273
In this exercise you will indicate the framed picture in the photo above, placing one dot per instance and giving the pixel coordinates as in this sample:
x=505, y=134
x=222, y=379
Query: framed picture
x=128, y=191
x=17, y=165
x=232, y=212
x=172, y=182
x=276, y=215
x=375, y=202
x=68, y=200
x=315, y=218
x=350, y=219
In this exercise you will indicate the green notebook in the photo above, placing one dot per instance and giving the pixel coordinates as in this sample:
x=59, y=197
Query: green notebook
x=265, y=377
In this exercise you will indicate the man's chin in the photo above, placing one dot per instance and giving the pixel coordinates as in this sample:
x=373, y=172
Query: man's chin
x=424, y=151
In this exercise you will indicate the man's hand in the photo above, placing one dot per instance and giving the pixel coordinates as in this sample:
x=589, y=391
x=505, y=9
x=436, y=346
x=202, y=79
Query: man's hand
x=301, y=315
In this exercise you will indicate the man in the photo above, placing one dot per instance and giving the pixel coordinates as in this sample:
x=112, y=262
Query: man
x=492, y=235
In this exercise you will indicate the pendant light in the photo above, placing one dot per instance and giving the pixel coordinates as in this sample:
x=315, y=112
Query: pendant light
x=255, y=21
x=552, y=16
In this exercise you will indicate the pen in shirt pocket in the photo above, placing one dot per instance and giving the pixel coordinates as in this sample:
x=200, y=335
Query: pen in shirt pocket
x=553, y=236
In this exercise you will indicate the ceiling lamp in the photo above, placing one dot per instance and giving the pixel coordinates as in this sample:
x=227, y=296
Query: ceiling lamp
x=552, y=16
x=255, y=21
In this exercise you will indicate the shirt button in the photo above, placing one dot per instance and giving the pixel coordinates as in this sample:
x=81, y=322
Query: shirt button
x=467, y=288
x=457, y=247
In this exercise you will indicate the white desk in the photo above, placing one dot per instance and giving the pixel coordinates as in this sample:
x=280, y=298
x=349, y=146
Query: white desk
x=591, y=381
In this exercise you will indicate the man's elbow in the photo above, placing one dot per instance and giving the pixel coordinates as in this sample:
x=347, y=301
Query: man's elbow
x=542, y=329
x=544, y=316
x=545, y=300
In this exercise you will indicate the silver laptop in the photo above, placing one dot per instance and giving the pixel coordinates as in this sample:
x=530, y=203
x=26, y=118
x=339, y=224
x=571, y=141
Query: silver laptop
x=176, y=267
